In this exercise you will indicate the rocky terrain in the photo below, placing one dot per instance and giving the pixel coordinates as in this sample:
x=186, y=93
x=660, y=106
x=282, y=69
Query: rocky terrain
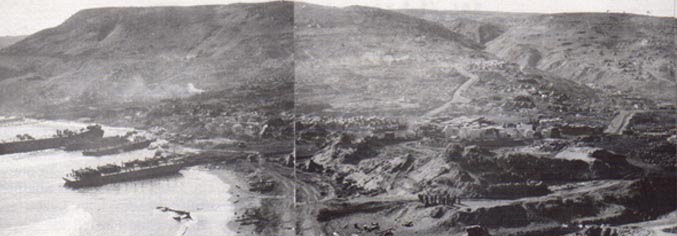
x=381, y=122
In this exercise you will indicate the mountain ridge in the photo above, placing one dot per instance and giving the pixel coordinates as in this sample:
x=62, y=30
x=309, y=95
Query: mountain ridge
x=158, y=51
x=108, y=56
x=6, y=41
x=615, y=52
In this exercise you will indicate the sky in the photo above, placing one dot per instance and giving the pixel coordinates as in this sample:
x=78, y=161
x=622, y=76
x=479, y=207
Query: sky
x=23, y=17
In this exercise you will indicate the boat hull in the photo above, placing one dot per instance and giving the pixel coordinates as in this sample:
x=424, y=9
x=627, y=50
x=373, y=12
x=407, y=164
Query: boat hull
x=118, y=149
x=49, y=143
x=131, y=175
x=96, y=143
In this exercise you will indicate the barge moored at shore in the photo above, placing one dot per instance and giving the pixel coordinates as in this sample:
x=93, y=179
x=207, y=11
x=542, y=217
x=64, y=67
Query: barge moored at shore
x=128, y=171
x=61, y=139
x=120, y=148
x=96, y=143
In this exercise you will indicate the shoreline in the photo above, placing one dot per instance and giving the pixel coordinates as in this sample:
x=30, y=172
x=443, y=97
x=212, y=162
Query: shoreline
x=240, y=198
x=233, y=174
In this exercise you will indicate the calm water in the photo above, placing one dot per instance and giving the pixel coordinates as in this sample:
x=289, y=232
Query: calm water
x=34, y=202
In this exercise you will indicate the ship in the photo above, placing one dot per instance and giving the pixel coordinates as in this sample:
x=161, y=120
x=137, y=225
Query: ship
x=96, y=143
x=128, y=171
x=62, y=138
x=100, y=143
x=120, y=148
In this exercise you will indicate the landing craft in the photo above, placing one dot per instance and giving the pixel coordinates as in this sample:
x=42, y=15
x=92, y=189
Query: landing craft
x=61, y=139
x=128, y=171
x=115, y=149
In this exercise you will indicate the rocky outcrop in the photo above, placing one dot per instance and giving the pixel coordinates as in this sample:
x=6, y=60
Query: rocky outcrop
x=345, y=149
x=607, y=166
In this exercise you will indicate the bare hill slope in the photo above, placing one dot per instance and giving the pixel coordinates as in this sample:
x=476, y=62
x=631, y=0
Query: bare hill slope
x=9, y=40
x=119, y=55
x=624, y=53
x=616, y=52
x=365, y=60
x=355, y=58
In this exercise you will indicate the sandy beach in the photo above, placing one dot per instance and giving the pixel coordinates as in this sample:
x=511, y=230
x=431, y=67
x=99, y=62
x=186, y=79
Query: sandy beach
x=240, y=198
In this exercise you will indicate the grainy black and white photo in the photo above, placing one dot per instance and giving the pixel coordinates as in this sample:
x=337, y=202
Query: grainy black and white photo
x=338, y=118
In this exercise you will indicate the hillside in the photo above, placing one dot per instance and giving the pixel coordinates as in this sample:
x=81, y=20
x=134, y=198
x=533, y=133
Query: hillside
x=352, y=59
x=358, y=60
x=377, y=122
x=615, y=52
x=618, y=53
x=112, y=56
x=481, y=27
x=9, y=40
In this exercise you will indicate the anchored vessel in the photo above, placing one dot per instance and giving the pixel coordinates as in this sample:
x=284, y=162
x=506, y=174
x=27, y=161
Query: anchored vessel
x=97, y=143
x=128, y=171
x=124, y=147
x=61, y=139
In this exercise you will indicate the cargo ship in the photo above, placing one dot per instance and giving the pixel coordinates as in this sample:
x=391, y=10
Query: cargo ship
x=129, y=171
x=62, y=138
x=120, y=148
x=96, y=143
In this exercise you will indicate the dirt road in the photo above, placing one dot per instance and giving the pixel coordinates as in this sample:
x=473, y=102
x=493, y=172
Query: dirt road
x=620, y=122
x=458, y=94
x=304, y=206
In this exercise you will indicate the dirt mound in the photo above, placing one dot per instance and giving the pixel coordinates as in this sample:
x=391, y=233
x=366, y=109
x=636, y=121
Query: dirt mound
x=345, y=149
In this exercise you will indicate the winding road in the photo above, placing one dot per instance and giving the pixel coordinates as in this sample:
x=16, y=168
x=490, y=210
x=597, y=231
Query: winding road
x=458, y=94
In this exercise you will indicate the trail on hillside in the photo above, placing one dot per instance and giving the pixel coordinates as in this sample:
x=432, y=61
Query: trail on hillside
x=458, y=94
x=620, y=122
